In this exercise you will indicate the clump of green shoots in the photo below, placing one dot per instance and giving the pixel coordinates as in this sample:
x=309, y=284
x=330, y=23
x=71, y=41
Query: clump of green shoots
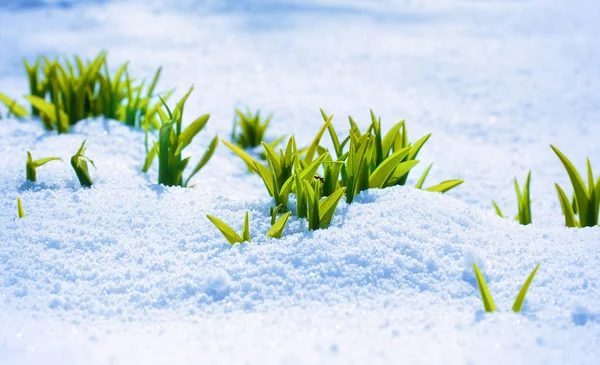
x=586, y=202
x=486, y=297
x=20, y=211
x=232, y=237
x=172, y=140
x=374, y=160
x=312, y=206
x=63, y=93
x=277, y=176
x=31, y=165
x=523, y=201
x=249, y=129
x=79, y=162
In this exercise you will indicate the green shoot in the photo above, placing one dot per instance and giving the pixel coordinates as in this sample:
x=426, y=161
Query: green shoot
x=442, y=187
x=251, y=129
x=13, y=108
x=319, y=212
x=274, y=212
x=277, y=227
x=79, y=162
x=518, y=305
x=231, y=236
x=586, y=200
x=486, y=297
x=277, y=176
x=63, y=93
x=20, y=211
x=523, y=201
x=172, y=141
x=375, y=160
x=31, y=165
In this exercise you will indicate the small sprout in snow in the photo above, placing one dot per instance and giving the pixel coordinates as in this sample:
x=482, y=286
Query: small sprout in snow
x=586, y=202
x=231, y=236
x=252, y=129
x=20, y=211
x=31, y=165
x=79, y=163
x=172, y=140
x=523, y=201
x=277, y=227
x=486, y=297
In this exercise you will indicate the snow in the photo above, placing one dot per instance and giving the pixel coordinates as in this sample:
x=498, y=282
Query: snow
x=131, y=272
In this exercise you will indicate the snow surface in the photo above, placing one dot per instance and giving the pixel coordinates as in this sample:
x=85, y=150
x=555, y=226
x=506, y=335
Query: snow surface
x=129, y=272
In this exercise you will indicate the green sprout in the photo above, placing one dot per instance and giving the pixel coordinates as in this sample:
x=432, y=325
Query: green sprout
x=13, y=108
x=486, y=297
x=441, y=187
x=63, y=93
x=523, y=201
x=251, y=129
x=586, y=202
x=20, y=211
x=79, y=162
x=31, y=165
x=278, y=226
x=172, y=141
x=277, y=176
x=231, y=236
x=374, y=160
x=310, y=205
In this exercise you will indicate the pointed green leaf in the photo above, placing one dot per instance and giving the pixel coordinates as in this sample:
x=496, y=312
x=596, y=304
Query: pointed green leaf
x=278, y=227
x=13, y=108
x=486, y=297
x=212, y=146
x=327, y=207
x=498, y=211
x=578, y=184
x=566, y=207
x=20, y=211
x=387, y=167
x=226, y=230
x=315, y=143
x=246, y=229
x=185, y=138
x=445, y=186
x=43, y=161
x=518, y=305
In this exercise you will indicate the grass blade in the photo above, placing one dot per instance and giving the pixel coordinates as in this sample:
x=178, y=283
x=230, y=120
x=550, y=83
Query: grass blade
x=566, y=207
x=486, y=297
x=327, y=207
x=212, y=146
x=310, y=153
x=498, y=211
x=578, y=185
x=13, y=108
x=444, y=186
x=423, y=177
x=518, y=305
x=387, y=167
x=278, y=227
x=185, y=138
x=230, y=235
x=20, y=211
x=246, y=229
